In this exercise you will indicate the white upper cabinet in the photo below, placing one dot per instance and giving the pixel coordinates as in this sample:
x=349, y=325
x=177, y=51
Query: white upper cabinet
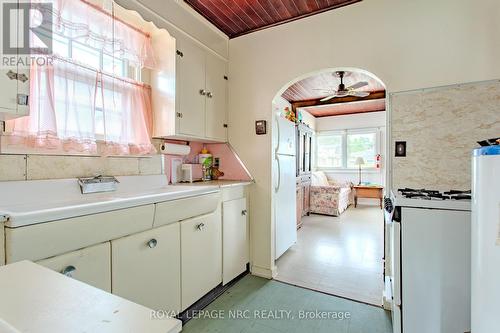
x=216, y=88
x=191, y=91
x=201, y=93
x=14, y=84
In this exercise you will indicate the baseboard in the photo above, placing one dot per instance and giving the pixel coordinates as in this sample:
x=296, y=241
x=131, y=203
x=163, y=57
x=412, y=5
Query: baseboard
x=264, y=272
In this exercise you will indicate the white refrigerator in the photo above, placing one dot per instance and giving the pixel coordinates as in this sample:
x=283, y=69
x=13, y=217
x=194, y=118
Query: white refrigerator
x=284, y=186
x=485, y=259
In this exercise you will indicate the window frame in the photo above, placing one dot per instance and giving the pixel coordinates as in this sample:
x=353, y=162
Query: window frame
x=344, y=133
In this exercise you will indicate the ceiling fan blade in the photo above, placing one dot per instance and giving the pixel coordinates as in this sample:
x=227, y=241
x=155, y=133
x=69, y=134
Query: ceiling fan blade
x=328, y=98
x=358, y=85
x=359, y=93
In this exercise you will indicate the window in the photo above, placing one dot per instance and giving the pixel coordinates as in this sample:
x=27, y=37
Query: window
x=91, y=89
x=330, y=151
x=341, y=149
x=361, y=145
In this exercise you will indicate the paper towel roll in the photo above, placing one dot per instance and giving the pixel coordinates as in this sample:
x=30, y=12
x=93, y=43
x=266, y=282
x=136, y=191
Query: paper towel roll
x=174, y=149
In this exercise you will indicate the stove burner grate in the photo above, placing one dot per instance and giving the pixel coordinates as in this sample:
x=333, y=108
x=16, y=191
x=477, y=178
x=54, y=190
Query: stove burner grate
x=434, y=194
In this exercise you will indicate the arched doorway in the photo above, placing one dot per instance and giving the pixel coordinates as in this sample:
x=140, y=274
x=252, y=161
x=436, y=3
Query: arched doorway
x=338, y=117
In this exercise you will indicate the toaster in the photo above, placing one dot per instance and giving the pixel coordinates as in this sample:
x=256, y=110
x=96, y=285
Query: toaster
x=191, y=173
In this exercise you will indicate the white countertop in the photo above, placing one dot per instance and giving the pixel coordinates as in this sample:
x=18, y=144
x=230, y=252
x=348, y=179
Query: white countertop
x=221, y=183
x=31, y=202
x=36, y=299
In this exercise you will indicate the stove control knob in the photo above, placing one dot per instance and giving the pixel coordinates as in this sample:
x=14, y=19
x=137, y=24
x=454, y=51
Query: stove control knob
x=388, y=205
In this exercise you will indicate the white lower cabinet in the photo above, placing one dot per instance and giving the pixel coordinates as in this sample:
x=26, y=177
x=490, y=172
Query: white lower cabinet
x=234, y=239
x=146, y=268
x=201, y=256
x=91, y=265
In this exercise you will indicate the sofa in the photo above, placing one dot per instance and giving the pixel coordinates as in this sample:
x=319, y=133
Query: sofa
x=328, y=197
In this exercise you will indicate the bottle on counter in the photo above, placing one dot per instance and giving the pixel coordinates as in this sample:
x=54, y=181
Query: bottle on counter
x=206, y=161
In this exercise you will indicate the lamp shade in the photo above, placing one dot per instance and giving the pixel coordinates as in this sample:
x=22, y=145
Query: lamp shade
x=359, y=161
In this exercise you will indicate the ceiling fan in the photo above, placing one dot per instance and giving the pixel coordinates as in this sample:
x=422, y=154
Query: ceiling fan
x=342, y=91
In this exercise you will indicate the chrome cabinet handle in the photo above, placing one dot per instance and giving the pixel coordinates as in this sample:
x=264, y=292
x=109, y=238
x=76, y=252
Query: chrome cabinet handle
x=203, y=92
x=200, y=226
x=210, y=95
x=152, y=243
x=69, y=271
x=244, y=212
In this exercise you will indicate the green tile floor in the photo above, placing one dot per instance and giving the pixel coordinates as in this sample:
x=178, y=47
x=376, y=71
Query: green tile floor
x=264, y=306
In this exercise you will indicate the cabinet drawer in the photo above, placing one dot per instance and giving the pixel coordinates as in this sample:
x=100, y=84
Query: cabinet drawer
x=91, y=265
x=201, y=256
x=178, y=210
x=49, y=239
x=146, y=268
x=233, y=193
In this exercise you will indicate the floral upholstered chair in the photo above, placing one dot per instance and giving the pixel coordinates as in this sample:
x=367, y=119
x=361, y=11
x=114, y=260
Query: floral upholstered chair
x=328, y=197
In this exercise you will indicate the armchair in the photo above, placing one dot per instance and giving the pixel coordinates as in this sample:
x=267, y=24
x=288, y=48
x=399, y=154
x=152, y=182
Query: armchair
x=327, y=197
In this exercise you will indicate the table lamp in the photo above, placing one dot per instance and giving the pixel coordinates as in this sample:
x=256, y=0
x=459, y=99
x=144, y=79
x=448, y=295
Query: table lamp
x=359, y=161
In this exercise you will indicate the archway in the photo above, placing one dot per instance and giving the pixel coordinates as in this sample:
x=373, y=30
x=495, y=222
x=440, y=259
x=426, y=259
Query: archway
x=361, y=94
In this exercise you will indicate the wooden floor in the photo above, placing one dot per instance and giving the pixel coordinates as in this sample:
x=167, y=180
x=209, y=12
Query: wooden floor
x=341, y=256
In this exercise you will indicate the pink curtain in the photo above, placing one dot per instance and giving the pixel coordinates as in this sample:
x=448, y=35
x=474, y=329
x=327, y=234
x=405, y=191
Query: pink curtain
x=61, y=110
x=73, y=105
x=127, y=117
x=86, y=23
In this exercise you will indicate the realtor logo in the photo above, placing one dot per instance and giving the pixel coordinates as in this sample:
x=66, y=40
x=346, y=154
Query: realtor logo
x=26, y=28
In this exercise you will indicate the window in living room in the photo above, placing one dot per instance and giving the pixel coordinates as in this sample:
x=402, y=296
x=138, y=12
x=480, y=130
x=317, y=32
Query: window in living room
x=339, y=150
x=330, y=151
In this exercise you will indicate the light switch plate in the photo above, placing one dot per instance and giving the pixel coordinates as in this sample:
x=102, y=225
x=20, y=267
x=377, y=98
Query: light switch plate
x=400, y=149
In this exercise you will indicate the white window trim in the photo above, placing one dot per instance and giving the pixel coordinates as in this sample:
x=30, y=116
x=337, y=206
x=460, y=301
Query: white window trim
x=344, y=133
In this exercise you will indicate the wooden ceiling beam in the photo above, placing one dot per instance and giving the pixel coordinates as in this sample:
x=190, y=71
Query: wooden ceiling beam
x=337, y=100
x=343, y=113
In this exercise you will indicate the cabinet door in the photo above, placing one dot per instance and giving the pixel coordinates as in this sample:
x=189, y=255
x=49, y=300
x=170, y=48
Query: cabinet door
x=191, y=90
x=216, y=98
x=307, y=198
x=91, y=265
x=299, y=203
x=234, y=239
x=8, y=105
x=146, y=268
x=201, y=252
x=9, y=85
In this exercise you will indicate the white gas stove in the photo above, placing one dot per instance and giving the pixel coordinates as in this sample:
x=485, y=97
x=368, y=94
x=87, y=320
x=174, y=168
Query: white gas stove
x=428, y=254
x=433, y=199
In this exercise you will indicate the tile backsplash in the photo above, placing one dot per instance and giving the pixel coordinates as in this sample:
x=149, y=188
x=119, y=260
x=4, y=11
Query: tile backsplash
x=38, y=166
x=34, y=167
x=441, y=127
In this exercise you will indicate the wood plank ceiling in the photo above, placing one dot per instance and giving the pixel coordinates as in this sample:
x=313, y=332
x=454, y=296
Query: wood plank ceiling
x=307, y=94
x=239, y=17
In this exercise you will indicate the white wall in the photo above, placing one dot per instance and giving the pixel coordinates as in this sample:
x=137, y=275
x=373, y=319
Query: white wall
x=350, y=121
x=308, y=119
x=408, y=44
